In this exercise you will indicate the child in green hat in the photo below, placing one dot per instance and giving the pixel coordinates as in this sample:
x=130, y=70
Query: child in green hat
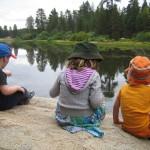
x=81, y=102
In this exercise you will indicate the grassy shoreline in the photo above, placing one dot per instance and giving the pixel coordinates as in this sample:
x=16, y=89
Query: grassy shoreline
x=103, y=45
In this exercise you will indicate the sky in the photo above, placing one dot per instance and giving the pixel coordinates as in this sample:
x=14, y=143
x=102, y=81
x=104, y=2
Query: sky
x=16, y=11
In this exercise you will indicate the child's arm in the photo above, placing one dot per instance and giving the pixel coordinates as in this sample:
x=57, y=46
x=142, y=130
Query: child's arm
x=10, y=89
x=116, y=111
x=7, y=72
x=55, y=90
x=96, y=97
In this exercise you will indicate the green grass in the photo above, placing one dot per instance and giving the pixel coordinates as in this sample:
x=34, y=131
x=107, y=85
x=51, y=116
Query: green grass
x=124, y=45
x=104, y=46
x=7, y=40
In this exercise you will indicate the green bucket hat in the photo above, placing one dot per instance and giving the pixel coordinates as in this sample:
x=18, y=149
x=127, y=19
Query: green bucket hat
x=86, y=50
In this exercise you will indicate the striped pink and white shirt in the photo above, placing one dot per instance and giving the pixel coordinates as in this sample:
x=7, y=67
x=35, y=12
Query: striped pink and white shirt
x=77, y=79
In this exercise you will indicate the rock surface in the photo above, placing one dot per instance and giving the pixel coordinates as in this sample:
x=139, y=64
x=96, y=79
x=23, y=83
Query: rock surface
x=33, y=127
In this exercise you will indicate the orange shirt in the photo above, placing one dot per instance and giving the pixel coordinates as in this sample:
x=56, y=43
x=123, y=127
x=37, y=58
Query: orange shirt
x=135, y=108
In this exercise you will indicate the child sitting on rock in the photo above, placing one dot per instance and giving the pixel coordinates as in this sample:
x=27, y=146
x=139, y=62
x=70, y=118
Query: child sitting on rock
x=134, y=99
x=80, y=104
x=10, y=95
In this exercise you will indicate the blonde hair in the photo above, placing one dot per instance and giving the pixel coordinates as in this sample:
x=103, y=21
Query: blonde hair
x=79, y=64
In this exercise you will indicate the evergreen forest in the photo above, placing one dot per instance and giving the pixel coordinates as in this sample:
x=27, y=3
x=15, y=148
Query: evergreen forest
x=97, y=23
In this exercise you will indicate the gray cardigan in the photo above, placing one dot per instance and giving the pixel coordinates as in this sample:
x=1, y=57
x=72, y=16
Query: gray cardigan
x=78, y=104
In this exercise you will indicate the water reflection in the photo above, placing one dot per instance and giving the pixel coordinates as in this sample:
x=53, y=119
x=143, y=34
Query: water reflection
x=41, y=60
x=55, y=56
x=31, y=56
x=110, y=68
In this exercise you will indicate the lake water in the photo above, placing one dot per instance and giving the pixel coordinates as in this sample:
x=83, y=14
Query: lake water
x=37, y=70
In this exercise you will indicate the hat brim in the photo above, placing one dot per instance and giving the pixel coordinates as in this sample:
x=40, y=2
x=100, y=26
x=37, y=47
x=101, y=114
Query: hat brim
x=97, y=57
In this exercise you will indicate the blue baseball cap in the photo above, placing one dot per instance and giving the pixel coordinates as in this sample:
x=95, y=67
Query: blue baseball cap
x=5, y=51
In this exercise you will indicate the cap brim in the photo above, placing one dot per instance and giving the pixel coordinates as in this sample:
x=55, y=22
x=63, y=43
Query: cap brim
x=13, y=56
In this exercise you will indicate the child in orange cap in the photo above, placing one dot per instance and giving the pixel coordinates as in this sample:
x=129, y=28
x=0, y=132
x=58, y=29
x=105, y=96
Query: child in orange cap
x=134, y=99
x=10, y=95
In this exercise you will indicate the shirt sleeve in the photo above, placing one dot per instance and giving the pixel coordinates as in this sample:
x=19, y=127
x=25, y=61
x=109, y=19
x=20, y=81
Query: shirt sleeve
x=55, y=90
x=96, y=97
x=3, y=78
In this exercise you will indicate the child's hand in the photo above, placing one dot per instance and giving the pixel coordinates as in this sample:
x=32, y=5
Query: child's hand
x=7, y=72
x=118, y=122
x=19, y=88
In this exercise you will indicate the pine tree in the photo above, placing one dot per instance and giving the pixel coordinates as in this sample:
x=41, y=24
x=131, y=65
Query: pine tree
x=62, y=22
x=131, y=15
x=69, y=21
x=40, y=20
x=85, y=17
x=115, y=23
x=1, y=31
x=30, y=23
x=15, y=31
x=52, y=21
x=102, y=21
x=5, y=31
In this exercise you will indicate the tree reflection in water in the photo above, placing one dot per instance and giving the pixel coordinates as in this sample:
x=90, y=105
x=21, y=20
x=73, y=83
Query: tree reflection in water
x=41, y=59
x=55, y=56
x=108, y=86
x=31, y=56
x=110, y=68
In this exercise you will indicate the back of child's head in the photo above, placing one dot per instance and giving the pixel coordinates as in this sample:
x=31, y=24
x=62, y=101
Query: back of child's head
x=78, y=63
x=84, y=54
x=5, y=51
x=138, y=71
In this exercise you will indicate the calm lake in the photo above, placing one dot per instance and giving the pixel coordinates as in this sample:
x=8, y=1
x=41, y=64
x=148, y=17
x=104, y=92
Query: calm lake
x=37, y=69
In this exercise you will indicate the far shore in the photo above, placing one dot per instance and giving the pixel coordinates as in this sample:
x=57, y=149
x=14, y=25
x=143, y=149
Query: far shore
x=123, y=44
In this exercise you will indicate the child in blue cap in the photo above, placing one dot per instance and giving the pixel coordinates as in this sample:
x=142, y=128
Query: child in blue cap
x=10, y=95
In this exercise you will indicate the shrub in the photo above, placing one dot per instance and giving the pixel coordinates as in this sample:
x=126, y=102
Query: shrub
x=143, y=36
x=43, y=35
x=26, y=36
x=102, y=38
x=68, y=35
x=57, y=36
x=80, y=36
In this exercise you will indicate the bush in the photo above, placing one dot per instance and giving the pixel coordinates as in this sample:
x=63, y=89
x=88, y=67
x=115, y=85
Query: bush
x=26, y=36
x=80, y=36
x=68, y=35
x=43, y=35
x=143, y=36
x=101, y=38
x=57, y=36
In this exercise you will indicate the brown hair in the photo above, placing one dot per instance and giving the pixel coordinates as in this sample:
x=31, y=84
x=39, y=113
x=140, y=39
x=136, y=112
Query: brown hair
x=78, y=63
